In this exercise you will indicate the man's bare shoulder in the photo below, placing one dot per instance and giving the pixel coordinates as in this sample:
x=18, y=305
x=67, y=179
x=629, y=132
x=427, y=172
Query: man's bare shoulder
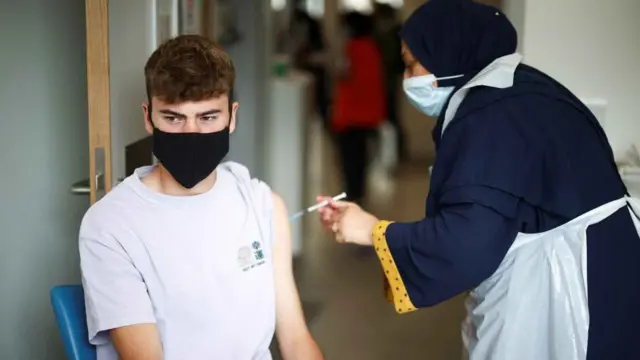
x=279, y=206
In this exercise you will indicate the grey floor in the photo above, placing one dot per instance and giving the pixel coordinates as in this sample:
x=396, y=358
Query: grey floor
x=341, y=285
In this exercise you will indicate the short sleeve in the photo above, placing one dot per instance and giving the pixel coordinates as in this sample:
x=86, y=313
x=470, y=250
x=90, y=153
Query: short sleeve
x=115, y=292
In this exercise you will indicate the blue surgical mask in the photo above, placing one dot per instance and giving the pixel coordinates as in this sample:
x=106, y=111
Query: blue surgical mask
x=425, y=97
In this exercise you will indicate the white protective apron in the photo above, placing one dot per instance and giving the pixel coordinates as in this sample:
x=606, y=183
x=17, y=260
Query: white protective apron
x=535, y=306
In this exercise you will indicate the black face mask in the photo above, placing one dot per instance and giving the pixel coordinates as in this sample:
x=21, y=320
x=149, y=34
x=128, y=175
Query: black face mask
x=190, y=157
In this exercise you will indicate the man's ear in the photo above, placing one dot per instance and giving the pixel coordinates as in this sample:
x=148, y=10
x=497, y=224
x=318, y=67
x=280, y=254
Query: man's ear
x=233, y=117
x=147, y=118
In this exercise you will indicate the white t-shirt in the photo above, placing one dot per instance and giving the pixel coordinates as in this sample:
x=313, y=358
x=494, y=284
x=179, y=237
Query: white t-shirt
x=198, y=267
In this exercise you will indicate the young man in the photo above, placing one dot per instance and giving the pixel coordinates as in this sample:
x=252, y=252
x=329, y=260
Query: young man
x=191, y=259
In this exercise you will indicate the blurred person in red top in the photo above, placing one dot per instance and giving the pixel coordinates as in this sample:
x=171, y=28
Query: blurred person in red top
x=359, y=103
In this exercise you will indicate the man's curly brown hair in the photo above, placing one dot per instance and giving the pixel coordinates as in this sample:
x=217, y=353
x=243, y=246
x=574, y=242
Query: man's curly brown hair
x=189, y=68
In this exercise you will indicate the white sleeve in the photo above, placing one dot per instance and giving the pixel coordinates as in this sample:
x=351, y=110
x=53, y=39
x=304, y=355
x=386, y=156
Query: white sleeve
x=115, y=292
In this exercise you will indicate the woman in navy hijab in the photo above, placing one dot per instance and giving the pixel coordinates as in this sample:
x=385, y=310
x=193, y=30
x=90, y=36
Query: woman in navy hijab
x=526, y=210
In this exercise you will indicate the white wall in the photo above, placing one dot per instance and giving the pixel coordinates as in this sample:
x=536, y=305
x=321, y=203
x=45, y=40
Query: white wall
x=251, y=59
x=593, y=48
x=43, y=150
x=132, y=39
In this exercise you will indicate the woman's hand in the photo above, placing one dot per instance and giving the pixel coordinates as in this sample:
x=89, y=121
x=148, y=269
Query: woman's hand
x=348, y=222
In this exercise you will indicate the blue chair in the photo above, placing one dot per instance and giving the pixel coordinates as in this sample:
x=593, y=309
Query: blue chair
x=68, y=306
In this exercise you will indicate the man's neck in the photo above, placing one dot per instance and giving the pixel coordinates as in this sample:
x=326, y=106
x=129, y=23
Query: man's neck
x=160, y=180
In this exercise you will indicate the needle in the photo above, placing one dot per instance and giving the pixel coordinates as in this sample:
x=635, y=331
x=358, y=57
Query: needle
x=317, y=206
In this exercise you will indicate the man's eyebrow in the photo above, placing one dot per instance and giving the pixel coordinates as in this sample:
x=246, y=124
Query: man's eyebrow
x=209, y=112
x=183, y=116
x=172, y=113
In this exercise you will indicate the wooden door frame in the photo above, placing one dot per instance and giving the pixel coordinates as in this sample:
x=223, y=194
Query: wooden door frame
x=98, y=96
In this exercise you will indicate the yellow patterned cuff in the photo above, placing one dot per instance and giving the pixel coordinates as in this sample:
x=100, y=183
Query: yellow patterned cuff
x=394, y=288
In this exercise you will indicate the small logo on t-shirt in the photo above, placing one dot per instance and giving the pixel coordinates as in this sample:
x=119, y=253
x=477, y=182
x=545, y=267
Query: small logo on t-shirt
x=251, y=256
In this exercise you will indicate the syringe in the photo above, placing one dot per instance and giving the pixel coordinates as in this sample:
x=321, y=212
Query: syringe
x=317, y=206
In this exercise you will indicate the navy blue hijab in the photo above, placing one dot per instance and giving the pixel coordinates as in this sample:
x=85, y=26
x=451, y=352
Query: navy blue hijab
x=453, y=37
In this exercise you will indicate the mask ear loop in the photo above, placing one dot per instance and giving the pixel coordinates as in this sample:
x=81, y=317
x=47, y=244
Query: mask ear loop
x=449, y=77
x=444, y=81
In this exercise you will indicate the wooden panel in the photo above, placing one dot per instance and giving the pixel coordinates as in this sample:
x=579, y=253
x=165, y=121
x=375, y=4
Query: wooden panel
x=97, y=18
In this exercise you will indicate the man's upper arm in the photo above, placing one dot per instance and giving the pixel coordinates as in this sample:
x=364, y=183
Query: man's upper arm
x=137, y=342
x=115, y=294
x=290, y=323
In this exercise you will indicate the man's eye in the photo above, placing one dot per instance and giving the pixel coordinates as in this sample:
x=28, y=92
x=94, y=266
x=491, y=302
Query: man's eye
x=171, y=119
x=209, y=118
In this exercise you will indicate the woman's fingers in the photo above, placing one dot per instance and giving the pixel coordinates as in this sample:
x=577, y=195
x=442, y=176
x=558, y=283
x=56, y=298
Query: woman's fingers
x=331, y=216
x=321, y=198
x=327, y=222
x=330, y=210
x=332, y=204
x=337, y=233
x=327, y=218
x=326, y=214
x=339, y=205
